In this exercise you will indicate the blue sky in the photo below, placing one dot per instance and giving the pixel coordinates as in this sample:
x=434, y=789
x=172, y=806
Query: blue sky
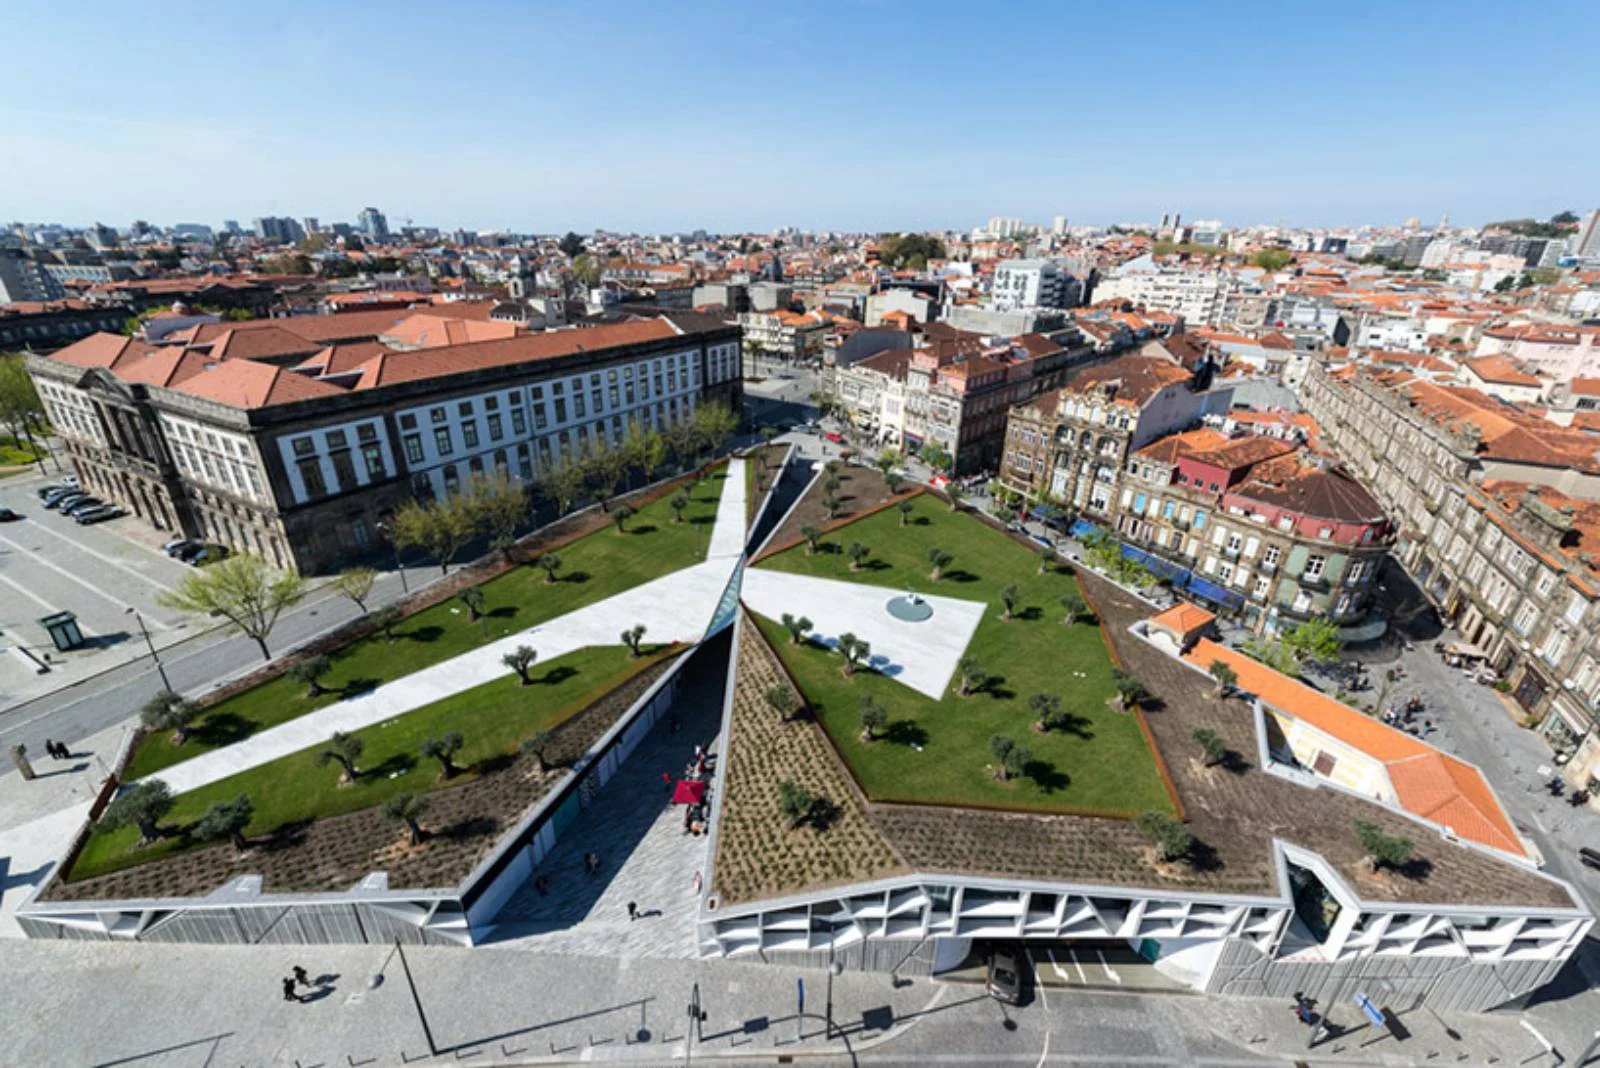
x=868, y=115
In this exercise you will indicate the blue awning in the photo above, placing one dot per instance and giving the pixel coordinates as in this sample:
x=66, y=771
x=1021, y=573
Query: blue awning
x=1082, y=528
x=1217, y=595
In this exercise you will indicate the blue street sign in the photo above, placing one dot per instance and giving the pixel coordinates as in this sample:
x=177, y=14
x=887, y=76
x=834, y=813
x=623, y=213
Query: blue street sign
x=801, y=983
x=1373, y=1014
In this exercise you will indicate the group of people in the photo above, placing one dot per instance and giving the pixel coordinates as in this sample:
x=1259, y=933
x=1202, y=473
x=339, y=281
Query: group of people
x=698, y=815
x=57, y=750
x=298, y=979
x=1404, y=717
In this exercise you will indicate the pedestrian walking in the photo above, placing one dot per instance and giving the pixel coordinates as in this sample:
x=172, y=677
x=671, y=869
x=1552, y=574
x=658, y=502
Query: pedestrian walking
x=288, y=990
x=666, y=777
x=698, y=882
x=62, y=751
x=633, y=911
x=50, y=747
x=300, y=976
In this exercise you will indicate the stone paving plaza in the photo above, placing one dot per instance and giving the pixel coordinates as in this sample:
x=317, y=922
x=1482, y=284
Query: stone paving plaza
x=645, y=856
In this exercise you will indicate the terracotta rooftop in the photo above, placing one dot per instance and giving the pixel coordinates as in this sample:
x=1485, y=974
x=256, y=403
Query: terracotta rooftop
x=1131, y=380
x=1427, y=782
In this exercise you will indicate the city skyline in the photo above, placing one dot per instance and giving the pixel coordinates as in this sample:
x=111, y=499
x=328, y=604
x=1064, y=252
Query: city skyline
x=640, y=121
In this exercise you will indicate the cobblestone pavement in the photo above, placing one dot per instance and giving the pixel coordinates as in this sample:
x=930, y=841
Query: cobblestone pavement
x=645, y=856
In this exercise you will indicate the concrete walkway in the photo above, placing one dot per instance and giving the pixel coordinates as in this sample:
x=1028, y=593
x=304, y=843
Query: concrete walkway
x=645, y=856
x=921, y=655
x=675, y=607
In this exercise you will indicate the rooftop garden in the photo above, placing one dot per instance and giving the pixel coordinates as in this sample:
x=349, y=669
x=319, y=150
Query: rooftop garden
x=663, y=536
x=1034, y=717
x=446, y=745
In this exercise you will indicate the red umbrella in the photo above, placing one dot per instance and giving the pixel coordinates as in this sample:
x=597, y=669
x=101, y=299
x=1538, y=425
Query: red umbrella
x=688, y=792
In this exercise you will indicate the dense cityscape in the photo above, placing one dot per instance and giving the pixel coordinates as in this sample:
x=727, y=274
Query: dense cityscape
x=752, y=604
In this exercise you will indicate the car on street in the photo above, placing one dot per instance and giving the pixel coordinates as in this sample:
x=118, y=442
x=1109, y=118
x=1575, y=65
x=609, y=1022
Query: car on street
x=1589, y=857
x=98, y=515
x=177, y=545
x=203, y=553
x=835, y=437
x=64, y=500
x=1004, y=981
x=8, y=516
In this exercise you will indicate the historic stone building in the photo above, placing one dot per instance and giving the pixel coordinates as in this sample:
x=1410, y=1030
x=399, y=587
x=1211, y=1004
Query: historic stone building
x=288, y=440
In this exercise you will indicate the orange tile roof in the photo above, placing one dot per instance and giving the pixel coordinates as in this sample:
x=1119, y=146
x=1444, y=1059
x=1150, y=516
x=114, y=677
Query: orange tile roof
x=1184, y=618
x=1427, y=783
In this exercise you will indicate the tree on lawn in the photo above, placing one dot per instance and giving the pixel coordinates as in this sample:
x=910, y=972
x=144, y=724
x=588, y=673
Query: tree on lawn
x=384, y=619
x=854, y=651
x=144, y=806
x=1009, y=596
x=536, y=745
x=858, y=554
x=1170, y=837
x=1073, y=607
x=956, y=494
x=226, y=819
x=343, y=749
x=620, y=515
x=631, y=638
x=679, y=502
x=356, y=584
x=472, y=597
x=520, y=660
x=813, y=538
x=444, y=749
x=1315, y=641
x=310, y=671
x=1129, y=688
x=905, y=508
x=714, y=424
x=970, y=673
x=782, y=700
x=873, y=718
x=830, y=504
x=562, y=482
x=408, y=809
x=795, y=802
x=1047, y=559
x=1047, y=711
x=796, y=626
x=893, y=480
x=940, y=560
x=830, y=485
x=167, y=711
x=1010, y=759
x=1212, y=747
x=550, y=563
x=1382, y=849
x=439, y=528
x=242, y=589
x=1224, y=676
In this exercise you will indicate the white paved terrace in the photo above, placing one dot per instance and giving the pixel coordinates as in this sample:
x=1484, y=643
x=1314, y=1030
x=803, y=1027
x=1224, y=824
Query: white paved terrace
x=675, y=607
x=921, y=655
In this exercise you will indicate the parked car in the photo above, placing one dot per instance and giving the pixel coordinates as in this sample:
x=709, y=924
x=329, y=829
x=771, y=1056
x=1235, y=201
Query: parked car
x=835, y=437
x=82, y=505
x=57, y=491
x=1004, y=982
x=8, y=516
x=65, y=500
x=205, y=554
x=1590, y=857
x=48, y=488
x=178, y=545
x=98, y=515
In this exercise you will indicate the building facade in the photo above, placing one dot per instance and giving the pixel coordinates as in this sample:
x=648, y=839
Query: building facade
x=1497, y=524
x=302, y=462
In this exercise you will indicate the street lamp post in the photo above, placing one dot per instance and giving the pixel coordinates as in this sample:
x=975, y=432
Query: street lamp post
x=161, y=668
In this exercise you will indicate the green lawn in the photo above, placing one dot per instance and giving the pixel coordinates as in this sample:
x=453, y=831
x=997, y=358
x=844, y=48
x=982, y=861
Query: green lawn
x=1100, y=764
x=15, y=452
x=593, y=568
x=492, y=719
